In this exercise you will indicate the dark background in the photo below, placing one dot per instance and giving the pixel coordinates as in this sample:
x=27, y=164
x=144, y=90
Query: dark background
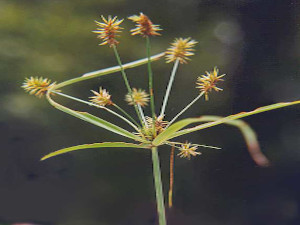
x=255, y=42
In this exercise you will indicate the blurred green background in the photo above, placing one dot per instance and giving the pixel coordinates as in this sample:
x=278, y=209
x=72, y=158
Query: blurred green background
x=255, y=42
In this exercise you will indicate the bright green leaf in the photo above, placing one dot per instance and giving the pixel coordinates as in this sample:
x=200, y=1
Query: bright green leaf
x=173, y=130
x=249, y=136
x=107, y=71
x=95, y=145
x=95, y=120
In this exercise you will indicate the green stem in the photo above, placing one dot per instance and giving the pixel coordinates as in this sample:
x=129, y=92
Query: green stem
x=142, y=114
x=150, y=82
x=163, y=108
x=106, y=71
x=126, y=81
x=158, y=187
x=186, y=108
x=126, y=114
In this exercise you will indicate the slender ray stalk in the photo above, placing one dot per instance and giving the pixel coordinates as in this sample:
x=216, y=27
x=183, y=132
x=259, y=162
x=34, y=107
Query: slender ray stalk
x=186, y=108
x=98, y=106
x=126, y=81
x=150, y=74
x=163, y=108
x=126, y=114
x=142, y=114
x=158, y=187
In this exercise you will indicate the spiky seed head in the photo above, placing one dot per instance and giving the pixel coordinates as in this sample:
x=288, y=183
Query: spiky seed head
x=147, y=130
x=108, y=30
x=101, y=98
x=208, y=82
x=144, y=26
x=187, y=150
x=160, y=124
x=37, y=86
x=137, y=96
x=180, y=49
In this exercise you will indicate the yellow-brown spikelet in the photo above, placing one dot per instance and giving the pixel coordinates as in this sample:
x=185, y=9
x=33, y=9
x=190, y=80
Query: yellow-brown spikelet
x=138, y=96
x=206, y=83
x=108, y=30
x=147, y=130
x=160, y=124
x=101, y=98
x=187, y=150
x=37, y=86
x=144, y=26
x=180, y=49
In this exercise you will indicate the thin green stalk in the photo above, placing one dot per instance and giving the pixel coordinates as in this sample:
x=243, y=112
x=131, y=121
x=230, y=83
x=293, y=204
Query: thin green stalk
x=106, y=71
x=126, y=114
x=98, y=106
x=186, y=108
x=163, y=108
x=150, y=82
x=126, y=81
x=142, y=114
x=158, y=187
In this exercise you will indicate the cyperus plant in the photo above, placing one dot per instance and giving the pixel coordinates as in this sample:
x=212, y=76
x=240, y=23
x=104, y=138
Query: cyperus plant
x=148, y=132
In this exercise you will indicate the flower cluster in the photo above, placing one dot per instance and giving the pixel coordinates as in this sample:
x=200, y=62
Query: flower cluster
x=208, y=82
x=180, y=50
x=101, y=98
x=147, y=130
x=108, y=30
x=187, y=150
x=37, y=86
x=137, y=96
x=144, y=26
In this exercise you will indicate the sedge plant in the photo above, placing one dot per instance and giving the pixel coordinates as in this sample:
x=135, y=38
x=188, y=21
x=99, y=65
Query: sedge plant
x=153, y=131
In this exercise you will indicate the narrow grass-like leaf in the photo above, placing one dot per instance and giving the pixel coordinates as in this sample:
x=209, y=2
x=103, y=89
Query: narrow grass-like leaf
x=95, y=145
x=173, y=130
x=249, y=136
x=95, y=120
x=107, y=71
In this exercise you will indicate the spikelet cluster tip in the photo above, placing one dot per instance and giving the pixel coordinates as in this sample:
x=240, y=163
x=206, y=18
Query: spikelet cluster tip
x=180, y=50
x=101, y=98
x=144, y=26
x=108, y=30
x=37, y=86
x=208, y=82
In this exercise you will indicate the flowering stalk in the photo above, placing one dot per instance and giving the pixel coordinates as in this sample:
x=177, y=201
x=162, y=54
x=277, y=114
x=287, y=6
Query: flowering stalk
x=186, y=108
x=163, y=108
x=126, y=81
x=158, y=187
x=150, y=82
x=142, y=114
x=126, y=114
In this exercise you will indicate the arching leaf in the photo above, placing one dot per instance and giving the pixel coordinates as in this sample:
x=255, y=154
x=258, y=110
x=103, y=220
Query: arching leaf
x=95, y=145
x=173, y=130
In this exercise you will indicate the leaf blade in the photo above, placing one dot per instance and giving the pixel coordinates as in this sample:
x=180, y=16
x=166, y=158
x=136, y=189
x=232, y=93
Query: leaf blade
x=173, y=130
x=94, y=145
x=95, y=120
x=107, y=71
x=249, y=136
